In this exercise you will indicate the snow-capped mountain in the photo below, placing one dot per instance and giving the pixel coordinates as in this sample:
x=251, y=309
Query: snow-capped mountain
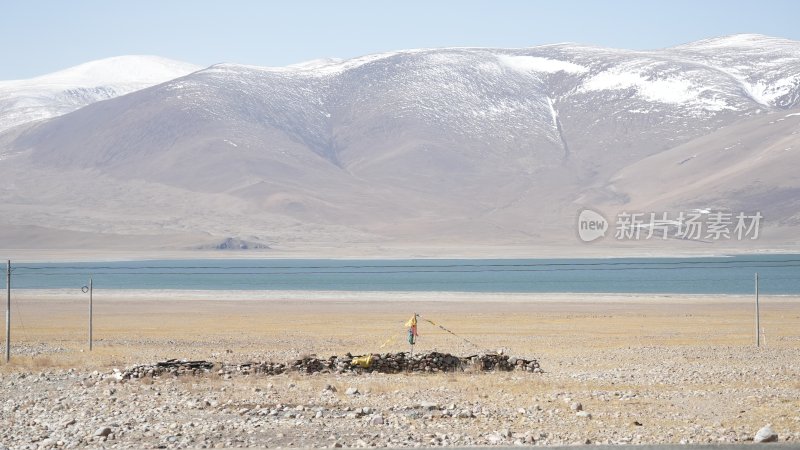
x=767, y=68
x=461, y=144
x=55, y=94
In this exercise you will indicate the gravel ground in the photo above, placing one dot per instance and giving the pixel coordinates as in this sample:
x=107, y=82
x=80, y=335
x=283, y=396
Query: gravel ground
x=691, y=395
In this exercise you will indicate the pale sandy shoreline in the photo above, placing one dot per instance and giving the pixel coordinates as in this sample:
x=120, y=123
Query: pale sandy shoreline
x=392, y=296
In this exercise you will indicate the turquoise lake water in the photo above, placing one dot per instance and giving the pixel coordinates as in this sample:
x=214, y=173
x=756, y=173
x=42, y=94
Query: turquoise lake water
x=779, y=274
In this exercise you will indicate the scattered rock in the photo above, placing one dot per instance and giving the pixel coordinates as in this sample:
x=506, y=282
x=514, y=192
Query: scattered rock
x=102, y=432
x=376, y=420
x=576, y=406
x=494, y=438
x=351, y=391
x=766, y=434
x=583, y=414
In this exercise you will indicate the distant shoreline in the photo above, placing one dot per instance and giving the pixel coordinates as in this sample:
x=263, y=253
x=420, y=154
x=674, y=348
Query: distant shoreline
x=386, y=296
x=389, y=254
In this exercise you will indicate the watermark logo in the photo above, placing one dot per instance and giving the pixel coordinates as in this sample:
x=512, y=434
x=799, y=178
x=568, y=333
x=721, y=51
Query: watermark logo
x=702, y=225
x=591, y=225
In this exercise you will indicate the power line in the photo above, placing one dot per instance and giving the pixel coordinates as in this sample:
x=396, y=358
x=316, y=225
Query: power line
x=179, y=271
x=546, y=280
x=738, y=263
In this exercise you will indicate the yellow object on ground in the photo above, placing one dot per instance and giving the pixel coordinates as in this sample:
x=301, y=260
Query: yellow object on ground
x=362, y=361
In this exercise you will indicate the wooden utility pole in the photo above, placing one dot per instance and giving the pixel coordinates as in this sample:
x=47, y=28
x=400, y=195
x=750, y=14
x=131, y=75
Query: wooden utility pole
x=758, y=317
x=8, y=310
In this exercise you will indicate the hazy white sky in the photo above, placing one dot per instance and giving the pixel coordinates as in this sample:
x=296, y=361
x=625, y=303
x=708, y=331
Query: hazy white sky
x=38, y=37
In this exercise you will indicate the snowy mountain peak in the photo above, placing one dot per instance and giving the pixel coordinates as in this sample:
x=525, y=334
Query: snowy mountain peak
x=58, y=93
x=740, y=41
x=130, y=69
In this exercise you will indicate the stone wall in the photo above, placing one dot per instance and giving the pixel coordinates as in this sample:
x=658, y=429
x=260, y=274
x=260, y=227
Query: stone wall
x=378, y=362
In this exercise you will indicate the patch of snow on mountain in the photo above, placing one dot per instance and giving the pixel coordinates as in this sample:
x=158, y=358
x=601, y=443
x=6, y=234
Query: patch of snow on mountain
x=335, y=67
x=538, y=64
x=673, y=90
x=763, y=93
x=743, y=41
x=553, y=112
x=765, y=68
x=314, y=68
x=315, y=64
x=768, y=93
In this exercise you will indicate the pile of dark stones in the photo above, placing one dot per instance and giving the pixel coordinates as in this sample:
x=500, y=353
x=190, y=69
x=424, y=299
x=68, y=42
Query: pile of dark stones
x=172, y=367
x=377, y=362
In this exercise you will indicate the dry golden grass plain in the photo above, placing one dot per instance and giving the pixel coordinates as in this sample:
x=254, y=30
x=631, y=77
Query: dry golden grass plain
x=131, y=326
